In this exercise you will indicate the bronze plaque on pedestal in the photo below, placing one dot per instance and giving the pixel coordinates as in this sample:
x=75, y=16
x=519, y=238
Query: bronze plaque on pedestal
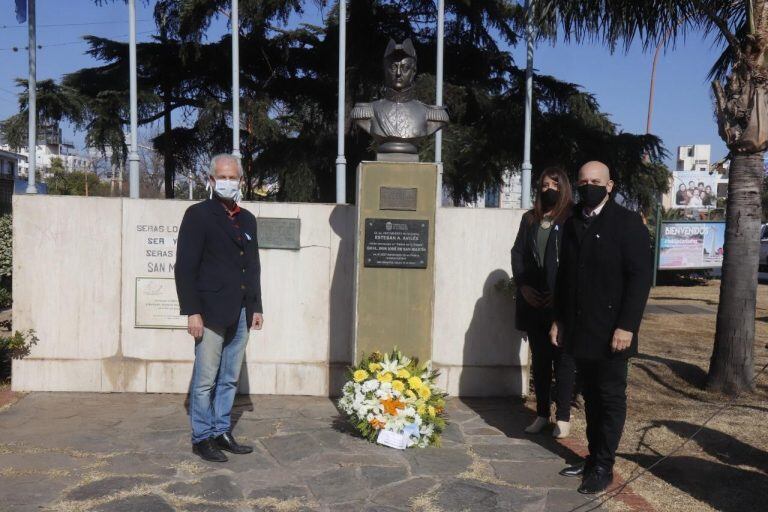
x=396, y=198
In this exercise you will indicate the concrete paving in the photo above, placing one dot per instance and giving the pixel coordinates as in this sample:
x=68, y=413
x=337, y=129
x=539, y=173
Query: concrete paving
x=127, y=452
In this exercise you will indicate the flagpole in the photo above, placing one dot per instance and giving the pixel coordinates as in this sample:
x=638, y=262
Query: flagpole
x=526, y=167
x=439, y=73
x=236, y=79
x=133, y=151
x=32, y=106
x=341, y=161
x=439, y=97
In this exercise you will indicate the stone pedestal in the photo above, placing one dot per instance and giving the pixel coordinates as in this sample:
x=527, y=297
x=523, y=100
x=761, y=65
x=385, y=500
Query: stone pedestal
x=394, y=258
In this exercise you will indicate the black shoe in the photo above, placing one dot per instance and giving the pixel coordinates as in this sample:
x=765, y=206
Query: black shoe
x=596, y=481
x=576, y=470
x=227, y=442
x=207, y=450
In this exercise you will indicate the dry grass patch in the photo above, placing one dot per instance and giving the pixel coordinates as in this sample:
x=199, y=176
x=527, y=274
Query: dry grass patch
x=725, y=467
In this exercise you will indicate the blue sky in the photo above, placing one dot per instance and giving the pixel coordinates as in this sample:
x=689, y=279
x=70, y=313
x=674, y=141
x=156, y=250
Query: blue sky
x=620, y=81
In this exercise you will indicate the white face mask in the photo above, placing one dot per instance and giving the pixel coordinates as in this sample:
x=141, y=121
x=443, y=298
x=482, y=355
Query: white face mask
x=227, y=189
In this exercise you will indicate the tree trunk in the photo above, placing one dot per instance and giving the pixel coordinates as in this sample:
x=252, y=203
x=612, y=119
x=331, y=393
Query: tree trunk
x=731, y=368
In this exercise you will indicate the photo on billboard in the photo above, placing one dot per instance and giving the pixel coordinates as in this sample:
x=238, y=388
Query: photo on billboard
x=694, y=189
x=691, y=245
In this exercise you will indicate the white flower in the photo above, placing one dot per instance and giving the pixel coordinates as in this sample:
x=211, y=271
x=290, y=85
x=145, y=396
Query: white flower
x=370, y=385
x=388, y=366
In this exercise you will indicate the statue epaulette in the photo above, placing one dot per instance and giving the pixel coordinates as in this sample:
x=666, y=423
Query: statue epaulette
x=437, y=113
x=362, y=111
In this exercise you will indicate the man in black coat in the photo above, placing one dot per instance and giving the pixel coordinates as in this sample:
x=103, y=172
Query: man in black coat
x=602, y=288
x=219, y=288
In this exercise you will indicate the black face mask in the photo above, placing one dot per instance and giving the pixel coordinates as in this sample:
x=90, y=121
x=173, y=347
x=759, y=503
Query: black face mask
x=549, y=198
x=592, y=195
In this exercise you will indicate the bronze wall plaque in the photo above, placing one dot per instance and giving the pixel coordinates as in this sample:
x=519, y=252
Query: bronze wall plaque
x=275, y=233
x=397, y=198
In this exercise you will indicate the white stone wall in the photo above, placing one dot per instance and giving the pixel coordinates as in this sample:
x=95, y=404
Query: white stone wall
x=474, y=340
x=76, y=261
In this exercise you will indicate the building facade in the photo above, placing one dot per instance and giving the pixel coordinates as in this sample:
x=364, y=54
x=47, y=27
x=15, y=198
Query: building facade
x=50, y=146
x=9, y=167
x=694, y=158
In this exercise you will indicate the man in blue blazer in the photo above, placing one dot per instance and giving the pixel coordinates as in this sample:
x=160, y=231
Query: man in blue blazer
x=219, y=287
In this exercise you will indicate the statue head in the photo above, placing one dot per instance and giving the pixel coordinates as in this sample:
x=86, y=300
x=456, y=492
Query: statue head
x=399, y=65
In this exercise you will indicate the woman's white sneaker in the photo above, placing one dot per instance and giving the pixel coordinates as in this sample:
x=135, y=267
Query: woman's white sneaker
x=562, y=430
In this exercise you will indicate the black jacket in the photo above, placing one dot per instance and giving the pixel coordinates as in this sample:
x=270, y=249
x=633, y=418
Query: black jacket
x=604, y=280
x=526, y=270
x=217, y=274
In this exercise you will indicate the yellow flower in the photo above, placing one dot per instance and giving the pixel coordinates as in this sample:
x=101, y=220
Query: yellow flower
x=414, y=382
x=398, y=386
x=385, y=377
x=374, y=367
x=403, y=373
x=420, y=410
x=410, y=394
x=424, y=392
x=431, y=411
x=360, y=375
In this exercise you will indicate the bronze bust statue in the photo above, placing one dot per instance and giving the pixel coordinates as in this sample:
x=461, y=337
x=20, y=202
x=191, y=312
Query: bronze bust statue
x=398, y=119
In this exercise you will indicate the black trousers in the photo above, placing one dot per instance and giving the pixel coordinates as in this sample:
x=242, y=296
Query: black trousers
x=546, y=358
x=604, y=387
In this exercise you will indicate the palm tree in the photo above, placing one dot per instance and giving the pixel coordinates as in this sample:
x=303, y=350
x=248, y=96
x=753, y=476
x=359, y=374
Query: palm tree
x=740, y=86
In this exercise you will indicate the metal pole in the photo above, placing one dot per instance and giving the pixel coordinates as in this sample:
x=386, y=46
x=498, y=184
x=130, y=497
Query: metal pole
x=526, y=181
x=439, y=97
x=235, y=79
x=191, y=186
x=657, y=244
x=133, y=152
x=341, y=161
x=32, y=107
x=439, y=73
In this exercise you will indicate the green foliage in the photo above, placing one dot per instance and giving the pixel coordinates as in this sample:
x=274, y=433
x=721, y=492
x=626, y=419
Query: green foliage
x=6, y=246
x=6, y=298
x=288, y=97
x=17, y=346
x=76, y=183
x=764, y=198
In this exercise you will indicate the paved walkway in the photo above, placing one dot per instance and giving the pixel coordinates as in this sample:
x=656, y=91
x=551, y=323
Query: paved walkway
x=127, y=452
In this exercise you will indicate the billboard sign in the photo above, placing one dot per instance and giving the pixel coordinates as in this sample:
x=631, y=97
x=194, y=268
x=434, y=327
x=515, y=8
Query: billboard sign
x=694, y=189
x=691, y=245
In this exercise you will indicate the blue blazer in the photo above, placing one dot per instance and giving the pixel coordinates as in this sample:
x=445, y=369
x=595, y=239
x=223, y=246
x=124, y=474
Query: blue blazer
x=217, y=266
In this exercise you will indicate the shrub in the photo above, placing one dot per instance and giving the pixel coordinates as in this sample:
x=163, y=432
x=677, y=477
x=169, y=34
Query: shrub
x=6, y=247
x=17, y=346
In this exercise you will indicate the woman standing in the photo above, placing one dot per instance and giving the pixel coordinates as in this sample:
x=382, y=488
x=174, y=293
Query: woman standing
x=535, y=258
